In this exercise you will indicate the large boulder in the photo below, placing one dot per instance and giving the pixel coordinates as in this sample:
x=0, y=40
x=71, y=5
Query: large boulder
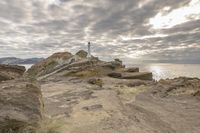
x=8, y=72
x=181, y=86
x=138, y=75
x=115, y=75
x=21, y=106
x=112, y=65
x=131, y=69
x=135, y=75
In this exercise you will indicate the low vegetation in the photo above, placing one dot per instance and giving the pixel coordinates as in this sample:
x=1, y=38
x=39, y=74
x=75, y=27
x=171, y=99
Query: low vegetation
x=84, y=74
x=51, y=126
x=128, y=93
x=46, y=126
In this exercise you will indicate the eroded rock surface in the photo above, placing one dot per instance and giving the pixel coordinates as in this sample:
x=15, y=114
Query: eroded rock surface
x=78, y=65
x=132, y=75
x=94, y=96
x=48, y=65
x=21, y=106
x=123, y=105
x=8, y=72
x=181, y=86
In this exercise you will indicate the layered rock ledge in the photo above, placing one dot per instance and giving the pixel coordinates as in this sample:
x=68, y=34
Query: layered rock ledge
x=88, y=95
x=8, y=72
x=21, y=106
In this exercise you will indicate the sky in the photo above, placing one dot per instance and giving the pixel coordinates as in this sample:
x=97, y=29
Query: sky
x=132, y=30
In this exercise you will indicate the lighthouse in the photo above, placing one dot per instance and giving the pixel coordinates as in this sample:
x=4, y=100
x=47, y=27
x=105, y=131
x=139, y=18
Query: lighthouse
x=89, y=50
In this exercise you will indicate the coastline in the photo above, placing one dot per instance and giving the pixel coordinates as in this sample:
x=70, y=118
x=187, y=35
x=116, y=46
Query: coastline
x=74, y=94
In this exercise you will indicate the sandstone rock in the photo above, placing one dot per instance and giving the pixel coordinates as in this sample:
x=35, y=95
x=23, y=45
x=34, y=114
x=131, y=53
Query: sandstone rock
x=181, y=86
x=115, y=75
x=197, y=94
x=8, y=72
x=20, y=106
x=138, y=75
x=137, y=82
x=4, y=77
x=95, y=81
x=82, y=54
x=93, y=107
x=118, y=60
x=113, y=65
x=132, y=69
x=48, y=65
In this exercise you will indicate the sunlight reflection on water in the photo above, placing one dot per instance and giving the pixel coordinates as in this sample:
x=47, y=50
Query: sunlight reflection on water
x=27, y=66
x=164, y=71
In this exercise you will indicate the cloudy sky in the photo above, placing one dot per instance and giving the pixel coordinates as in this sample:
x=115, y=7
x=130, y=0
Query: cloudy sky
x=155, y=30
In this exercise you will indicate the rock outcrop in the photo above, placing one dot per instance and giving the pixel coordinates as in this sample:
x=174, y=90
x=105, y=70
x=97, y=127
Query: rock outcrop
x=82, y=54
x=79, y=65
x=49, y=64
x=135, y=75
x=181, y=86
x=131, y=69
x=95, y=81
x=8, y=72
x=98, y=96
x=21, y=106
x=138, y=75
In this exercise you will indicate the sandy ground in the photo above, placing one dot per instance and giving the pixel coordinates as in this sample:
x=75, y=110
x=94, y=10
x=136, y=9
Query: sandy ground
x=115, y=108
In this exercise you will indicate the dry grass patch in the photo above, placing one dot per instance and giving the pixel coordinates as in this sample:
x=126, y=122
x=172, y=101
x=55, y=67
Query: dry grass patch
x=51, y=126
x=86, y=73
x=129, y=93
x=46, y=126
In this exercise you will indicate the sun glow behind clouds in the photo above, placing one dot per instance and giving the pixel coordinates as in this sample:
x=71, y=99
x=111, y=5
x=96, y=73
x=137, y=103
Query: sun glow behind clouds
x=49, y=2
x=177, y=16
x=128, y=38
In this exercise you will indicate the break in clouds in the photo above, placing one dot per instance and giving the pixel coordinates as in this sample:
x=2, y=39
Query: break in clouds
x=128, y=29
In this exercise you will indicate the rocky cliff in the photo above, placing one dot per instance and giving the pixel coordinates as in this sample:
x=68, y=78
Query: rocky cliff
x=21, y=106
x=21, y=103
x=78, y=65
x=49, y=64
x=88, y=95
x=8, y=72
x=94, y=96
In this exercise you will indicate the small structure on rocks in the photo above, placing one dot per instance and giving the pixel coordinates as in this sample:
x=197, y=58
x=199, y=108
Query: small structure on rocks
x=89, y=50
x=85, y=65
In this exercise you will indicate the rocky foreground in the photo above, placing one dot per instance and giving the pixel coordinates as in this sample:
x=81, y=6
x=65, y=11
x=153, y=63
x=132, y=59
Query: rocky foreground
x=87, y=95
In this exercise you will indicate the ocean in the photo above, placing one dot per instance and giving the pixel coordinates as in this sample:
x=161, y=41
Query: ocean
x=164, y=70
x=27, y=66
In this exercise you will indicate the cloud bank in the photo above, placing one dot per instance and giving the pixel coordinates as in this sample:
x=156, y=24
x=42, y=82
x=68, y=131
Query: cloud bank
x=155, y=30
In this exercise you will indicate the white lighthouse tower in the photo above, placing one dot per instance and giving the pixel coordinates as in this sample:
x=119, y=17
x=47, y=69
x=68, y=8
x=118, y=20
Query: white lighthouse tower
x=89, y=50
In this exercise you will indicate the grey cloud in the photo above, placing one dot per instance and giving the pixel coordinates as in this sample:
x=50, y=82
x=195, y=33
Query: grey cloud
x=193, y=26
x=37, y=28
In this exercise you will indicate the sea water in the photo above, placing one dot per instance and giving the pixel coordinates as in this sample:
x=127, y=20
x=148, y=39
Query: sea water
x=27, y=66
x=164, y=71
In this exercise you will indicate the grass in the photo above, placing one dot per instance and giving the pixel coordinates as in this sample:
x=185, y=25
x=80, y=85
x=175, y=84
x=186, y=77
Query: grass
x=51, y=126
x=27, y=129
x=46, y=126
x=129, y=93
x=51, y=64
x=36, y=69
x=84, y=74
